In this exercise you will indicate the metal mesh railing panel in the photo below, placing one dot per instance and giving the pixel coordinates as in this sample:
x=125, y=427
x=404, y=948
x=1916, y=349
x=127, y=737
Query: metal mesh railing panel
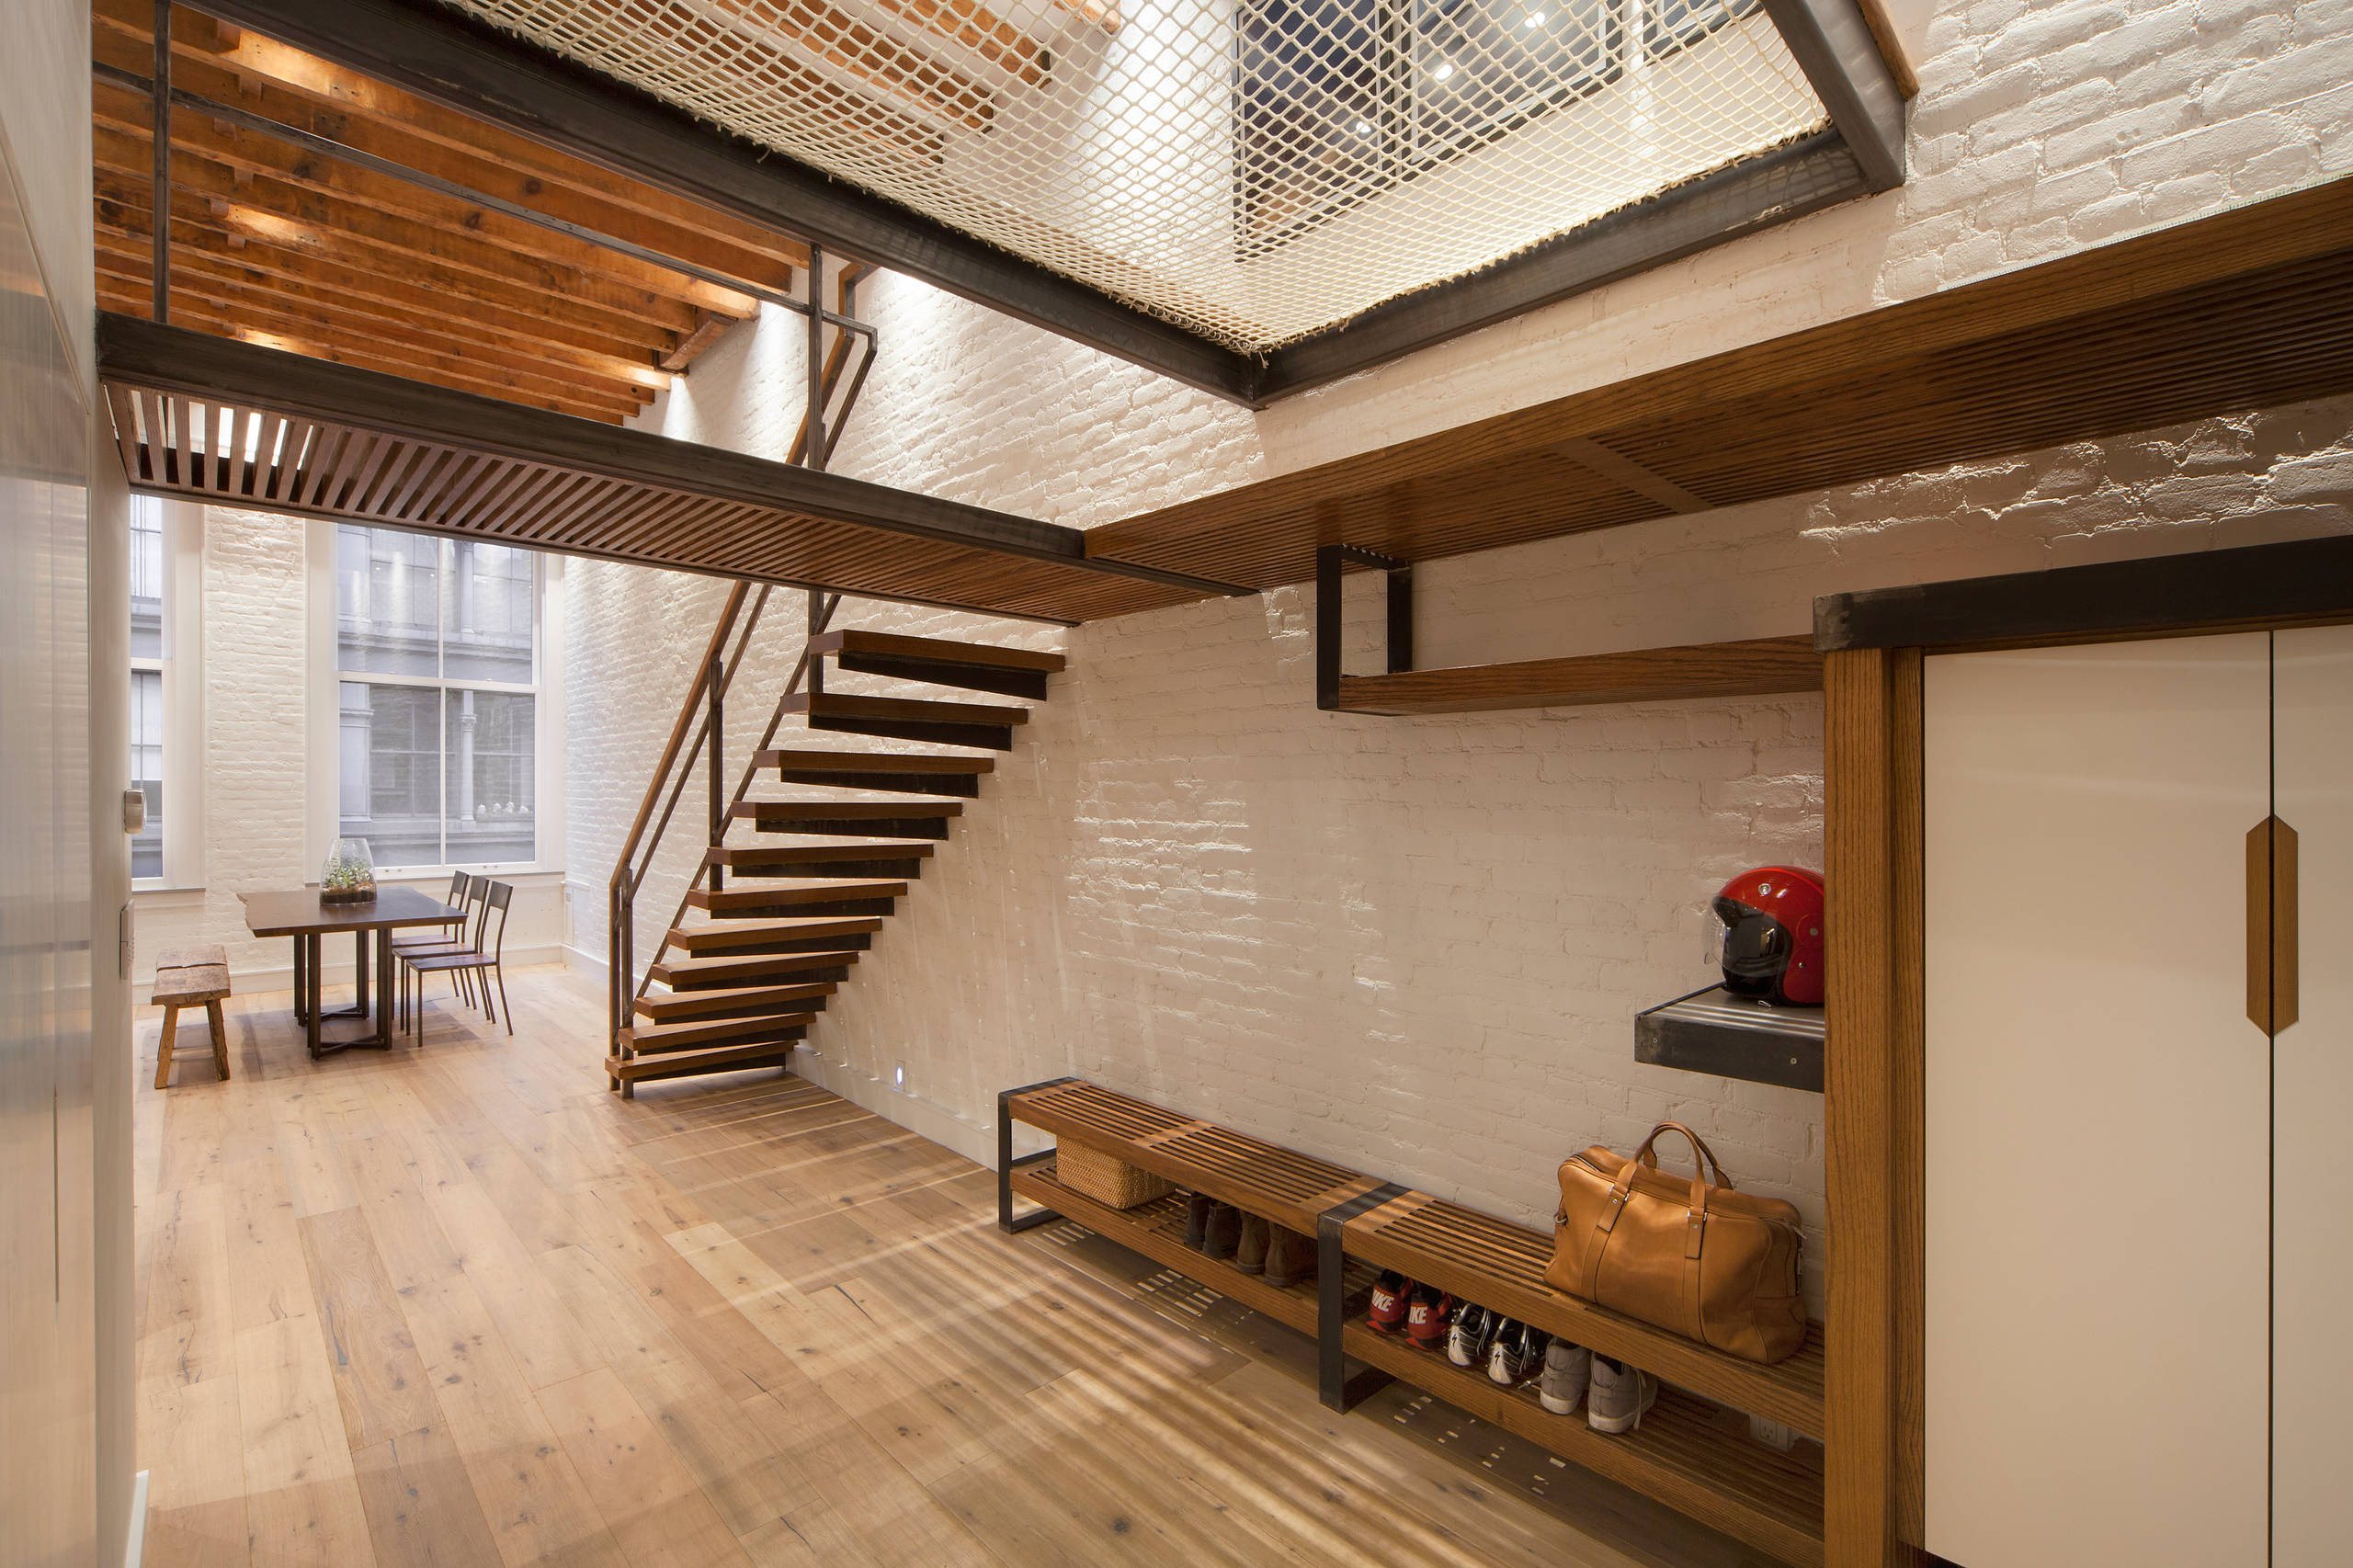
x=1254, y=170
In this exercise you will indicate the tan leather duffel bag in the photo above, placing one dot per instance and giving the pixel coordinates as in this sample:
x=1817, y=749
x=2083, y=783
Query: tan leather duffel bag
x=1699, y=1259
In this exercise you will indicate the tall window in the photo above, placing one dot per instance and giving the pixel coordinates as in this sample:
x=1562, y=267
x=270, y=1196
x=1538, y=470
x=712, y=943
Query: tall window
x=148, y=568
x=437, y=652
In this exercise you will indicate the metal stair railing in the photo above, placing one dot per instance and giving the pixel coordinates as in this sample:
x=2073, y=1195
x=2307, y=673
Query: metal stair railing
x=707, y=694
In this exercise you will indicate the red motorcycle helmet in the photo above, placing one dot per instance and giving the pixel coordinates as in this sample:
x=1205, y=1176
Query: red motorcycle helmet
x=1772, y=936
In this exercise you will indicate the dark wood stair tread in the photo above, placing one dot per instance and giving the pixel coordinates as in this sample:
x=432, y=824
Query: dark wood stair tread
x=763, y=893
x=750, y=932
x=815, y=887
x=663, y=1038
x=818, y=854
x=850, y=705
x=934, y=649
x=738, y=1001
x=684, y=1064
x=801, y=761
x=849, y=810
x=749, y=967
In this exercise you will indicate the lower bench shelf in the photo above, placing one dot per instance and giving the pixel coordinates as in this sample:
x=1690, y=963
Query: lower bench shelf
x=1157, y=1231
x=1692, y=1455
x=1690, y=1452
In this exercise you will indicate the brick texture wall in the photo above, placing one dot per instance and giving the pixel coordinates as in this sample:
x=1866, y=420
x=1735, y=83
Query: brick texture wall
x=1415, y=946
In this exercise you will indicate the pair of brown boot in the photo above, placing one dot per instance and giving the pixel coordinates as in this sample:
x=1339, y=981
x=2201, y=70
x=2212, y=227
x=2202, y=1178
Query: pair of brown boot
x=1257, y=1245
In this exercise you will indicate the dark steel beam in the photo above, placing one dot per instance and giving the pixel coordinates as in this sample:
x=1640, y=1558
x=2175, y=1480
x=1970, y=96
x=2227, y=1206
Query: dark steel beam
x=196, y=364
x=1832, y=42
x=468, y=65
x=1331, y=560
x=1802, y=177
x=2199, y=589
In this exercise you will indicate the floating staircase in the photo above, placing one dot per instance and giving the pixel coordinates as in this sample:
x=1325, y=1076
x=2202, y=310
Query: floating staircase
x=773, y=927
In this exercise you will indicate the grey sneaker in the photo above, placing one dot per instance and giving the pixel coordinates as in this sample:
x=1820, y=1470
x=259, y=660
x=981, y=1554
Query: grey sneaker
x=1567, y=1368
x=1620, y=1394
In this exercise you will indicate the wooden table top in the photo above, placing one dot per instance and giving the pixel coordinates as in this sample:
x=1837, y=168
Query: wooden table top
x=300, y=912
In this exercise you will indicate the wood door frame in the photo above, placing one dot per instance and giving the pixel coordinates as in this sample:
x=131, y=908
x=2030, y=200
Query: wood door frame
x=1874, y=1064
x=1874, y=645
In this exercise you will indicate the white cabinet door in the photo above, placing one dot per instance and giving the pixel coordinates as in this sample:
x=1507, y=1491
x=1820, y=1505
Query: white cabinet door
x=2312, y=1062
x=2097, y=1131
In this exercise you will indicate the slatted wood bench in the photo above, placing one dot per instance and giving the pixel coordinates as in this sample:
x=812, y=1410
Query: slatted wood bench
x=1289, y=1188
x=1693, y=1451
x=188, y=977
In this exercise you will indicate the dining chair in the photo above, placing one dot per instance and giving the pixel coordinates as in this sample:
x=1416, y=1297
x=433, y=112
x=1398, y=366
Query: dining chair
x=465, y=896
x=480, y=961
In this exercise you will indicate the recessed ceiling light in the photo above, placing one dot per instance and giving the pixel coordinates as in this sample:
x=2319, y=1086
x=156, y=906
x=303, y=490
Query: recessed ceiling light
x=1445, y=69
x=1535, y=19
x=1364, y=128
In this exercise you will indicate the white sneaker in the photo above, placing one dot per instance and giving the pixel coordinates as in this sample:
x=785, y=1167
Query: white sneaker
x=1466, y=1342
x=1620, y=1394
x=1567, y=1370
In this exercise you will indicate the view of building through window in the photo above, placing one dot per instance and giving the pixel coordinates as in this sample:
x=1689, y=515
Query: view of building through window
x=147, y=568
x=1339, y=100
x=436, y=644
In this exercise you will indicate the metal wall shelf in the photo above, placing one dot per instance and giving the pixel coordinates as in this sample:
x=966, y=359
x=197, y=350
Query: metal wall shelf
x=1733, y=1037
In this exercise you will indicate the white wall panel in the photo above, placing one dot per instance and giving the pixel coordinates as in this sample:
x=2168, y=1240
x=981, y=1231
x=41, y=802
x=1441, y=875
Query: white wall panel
x=2098, y=1107
x=2311, y=1180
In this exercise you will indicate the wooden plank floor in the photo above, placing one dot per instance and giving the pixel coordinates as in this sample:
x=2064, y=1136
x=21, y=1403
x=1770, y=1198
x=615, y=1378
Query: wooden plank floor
x=460, y=1306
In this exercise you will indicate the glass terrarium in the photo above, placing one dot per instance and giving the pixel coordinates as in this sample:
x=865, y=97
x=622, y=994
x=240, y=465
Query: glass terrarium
x=350, y=875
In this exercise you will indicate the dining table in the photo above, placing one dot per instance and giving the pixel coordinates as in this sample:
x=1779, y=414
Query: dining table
x=306, y=917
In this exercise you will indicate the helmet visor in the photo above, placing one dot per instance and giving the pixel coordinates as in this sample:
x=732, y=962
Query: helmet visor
x=1755, y=946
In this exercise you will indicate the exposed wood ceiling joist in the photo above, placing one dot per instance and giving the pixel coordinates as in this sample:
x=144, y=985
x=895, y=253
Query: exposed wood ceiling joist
x=314, y=209
x=2249, y=309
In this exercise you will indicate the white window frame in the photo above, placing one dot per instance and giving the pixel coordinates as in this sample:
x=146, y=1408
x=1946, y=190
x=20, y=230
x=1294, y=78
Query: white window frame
x=324, y=717
x=181, y=668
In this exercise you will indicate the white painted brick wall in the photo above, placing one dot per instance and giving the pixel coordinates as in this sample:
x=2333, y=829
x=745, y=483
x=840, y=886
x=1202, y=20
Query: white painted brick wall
x=1416, y=944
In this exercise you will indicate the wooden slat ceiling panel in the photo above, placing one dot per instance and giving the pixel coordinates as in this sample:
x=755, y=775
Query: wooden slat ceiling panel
x=198, y=450
x=2250, y=309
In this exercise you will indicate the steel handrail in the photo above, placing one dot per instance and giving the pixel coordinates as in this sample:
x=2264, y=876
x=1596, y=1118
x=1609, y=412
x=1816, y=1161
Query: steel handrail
x=714, y=677
x=820, y=617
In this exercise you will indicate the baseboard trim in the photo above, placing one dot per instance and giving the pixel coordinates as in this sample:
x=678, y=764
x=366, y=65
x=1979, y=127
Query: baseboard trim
x=922, y=1116
x=136, y=1546
x=587, y=963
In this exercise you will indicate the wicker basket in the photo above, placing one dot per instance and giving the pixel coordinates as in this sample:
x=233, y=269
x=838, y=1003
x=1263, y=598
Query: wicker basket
x=1105, y=1178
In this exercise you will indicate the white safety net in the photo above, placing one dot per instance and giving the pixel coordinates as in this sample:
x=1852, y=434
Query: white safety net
x=1254, y=170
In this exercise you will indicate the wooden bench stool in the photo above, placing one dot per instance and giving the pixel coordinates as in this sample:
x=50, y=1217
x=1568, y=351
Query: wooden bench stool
x=184, y=978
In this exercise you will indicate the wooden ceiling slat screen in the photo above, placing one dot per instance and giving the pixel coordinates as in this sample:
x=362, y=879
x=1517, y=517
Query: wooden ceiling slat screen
x=197, y=449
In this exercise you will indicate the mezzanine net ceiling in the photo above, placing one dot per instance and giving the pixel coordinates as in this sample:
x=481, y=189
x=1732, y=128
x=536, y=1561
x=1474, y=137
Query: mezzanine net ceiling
x=1253, y=170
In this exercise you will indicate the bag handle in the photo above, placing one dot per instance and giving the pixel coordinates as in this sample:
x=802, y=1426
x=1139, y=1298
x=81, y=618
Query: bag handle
x=1695, y=1219
x=1704, y=1157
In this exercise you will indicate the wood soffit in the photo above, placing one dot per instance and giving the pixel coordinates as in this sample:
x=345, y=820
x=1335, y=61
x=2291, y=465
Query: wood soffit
x=2249, y=309
x=231, y=424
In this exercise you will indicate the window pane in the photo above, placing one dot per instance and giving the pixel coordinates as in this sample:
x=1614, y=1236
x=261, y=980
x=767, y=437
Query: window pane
x=492, y=744
x=387, y=598
x=147, y=769
x=146, y=577
x=1483, y=67
x=392, y=771
x=487, y=613
x=1670, y=25
x=1309, y=95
